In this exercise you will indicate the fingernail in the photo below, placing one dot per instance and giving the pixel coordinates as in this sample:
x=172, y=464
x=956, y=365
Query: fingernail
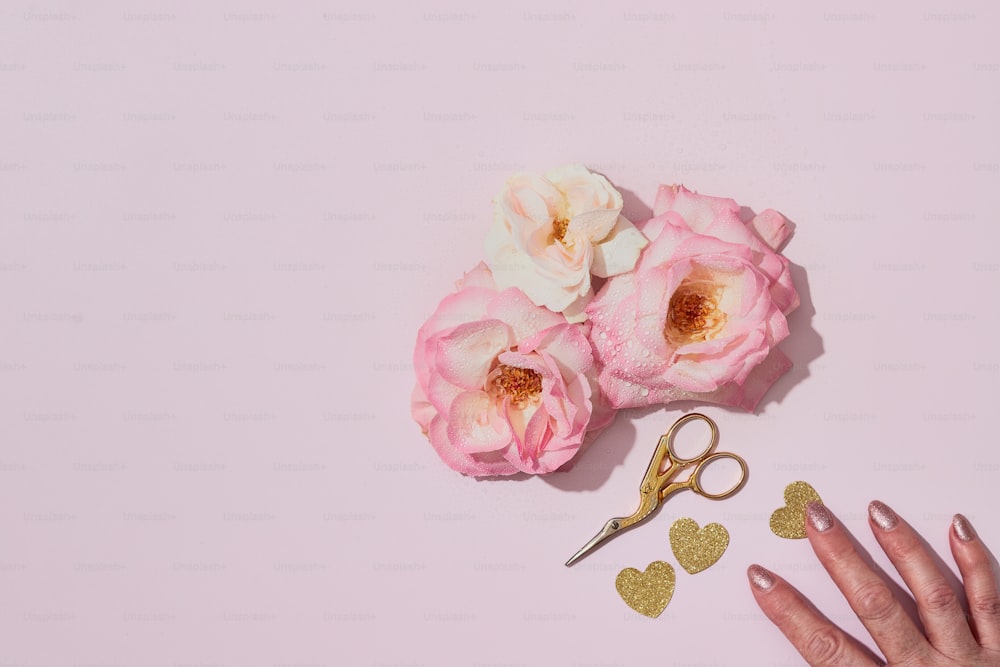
x=761, y=579
x=963, y=529
x=882, y=515
x=819, y=516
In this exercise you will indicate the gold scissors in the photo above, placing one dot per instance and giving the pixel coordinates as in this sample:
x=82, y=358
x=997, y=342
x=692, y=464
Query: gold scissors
x=657, y=484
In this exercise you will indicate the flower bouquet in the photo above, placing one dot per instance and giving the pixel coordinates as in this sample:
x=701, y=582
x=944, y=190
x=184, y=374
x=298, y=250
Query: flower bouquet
x=527, y=359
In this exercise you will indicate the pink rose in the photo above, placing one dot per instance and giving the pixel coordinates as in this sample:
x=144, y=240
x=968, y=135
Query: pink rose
x=503, y=385
x=699, y=317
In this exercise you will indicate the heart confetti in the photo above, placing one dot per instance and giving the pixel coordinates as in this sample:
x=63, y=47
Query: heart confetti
x=697, y=549
x=790, y=521
x=647, y=592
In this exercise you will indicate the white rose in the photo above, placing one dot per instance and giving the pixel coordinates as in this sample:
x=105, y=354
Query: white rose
x=550, y=233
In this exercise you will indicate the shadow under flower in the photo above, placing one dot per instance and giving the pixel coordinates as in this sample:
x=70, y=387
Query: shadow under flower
x=803, y=346
x=634, y=208
x=592, y=466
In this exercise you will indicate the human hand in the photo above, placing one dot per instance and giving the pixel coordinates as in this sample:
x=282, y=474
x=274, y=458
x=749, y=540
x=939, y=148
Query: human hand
x=949, y=636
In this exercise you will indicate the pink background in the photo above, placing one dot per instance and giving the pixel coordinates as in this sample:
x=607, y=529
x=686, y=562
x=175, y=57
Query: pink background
x=222, y=224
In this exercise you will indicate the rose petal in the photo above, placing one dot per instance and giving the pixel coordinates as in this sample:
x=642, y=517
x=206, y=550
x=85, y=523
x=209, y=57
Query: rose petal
x=556, y=401
x=653, y=291
x=518, y=416
x=690, y=375
x=522, y=359
x=772, y=227
x=478, y=276
x=566, y=266
x=441, y=393
x=592, y=226
x=528, y=205
x=466, y=353
x=528, y=448
x=623, y=393
x=576, y=312
x=619, y=251
x=698, y=211
x=421, y=409
x=566, y=344
x=666, y=233
x=754, y=387
x=584, y=190
x=777, y=327
x=750, y=362
x=479, y=465
x=782, y=290
x=602, y=412
x=616, y=343
x=516, y=269
x=470, y=426
x=525, y=318
x=465, y=306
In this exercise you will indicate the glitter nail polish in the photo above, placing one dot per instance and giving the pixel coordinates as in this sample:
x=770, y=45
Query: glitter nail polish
x=963, y=529
x=882, y=515
x=819, y=516
x=760, y=578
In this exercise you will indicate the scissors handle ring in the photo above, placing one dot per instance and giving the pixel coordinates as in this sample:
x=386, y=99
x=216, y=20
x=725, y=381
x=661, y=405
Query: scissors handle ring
x=696, y=475
x=680, y=423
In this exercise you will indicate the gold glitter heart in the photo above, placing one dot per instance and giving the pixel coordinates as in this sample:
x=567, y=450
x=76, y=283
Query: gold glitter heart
x=790, y=521
x=698, y=549
x=647, y=592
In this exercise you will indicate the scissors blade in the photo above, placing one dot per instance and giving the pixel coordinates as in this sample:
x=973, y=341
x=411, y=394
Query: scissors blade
x=649, y=502
x=592, y=544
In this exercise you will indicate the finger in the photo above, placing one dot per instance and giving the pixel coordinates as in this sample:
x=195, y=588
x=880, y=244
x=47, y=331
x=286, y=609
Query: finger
x=818, y=640
x=868, y=594
x=982, y=582
x=937, y=602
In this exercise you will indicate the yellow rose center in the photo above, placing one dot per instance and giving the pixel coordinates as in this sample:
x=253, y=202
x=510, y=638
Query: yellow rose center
x=521, y=384
x=559, y=228
x=693, y=314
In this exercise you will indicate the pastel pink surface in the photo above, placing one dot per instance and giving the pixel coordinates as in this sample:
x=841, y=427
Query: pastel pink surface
x=222, y=226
